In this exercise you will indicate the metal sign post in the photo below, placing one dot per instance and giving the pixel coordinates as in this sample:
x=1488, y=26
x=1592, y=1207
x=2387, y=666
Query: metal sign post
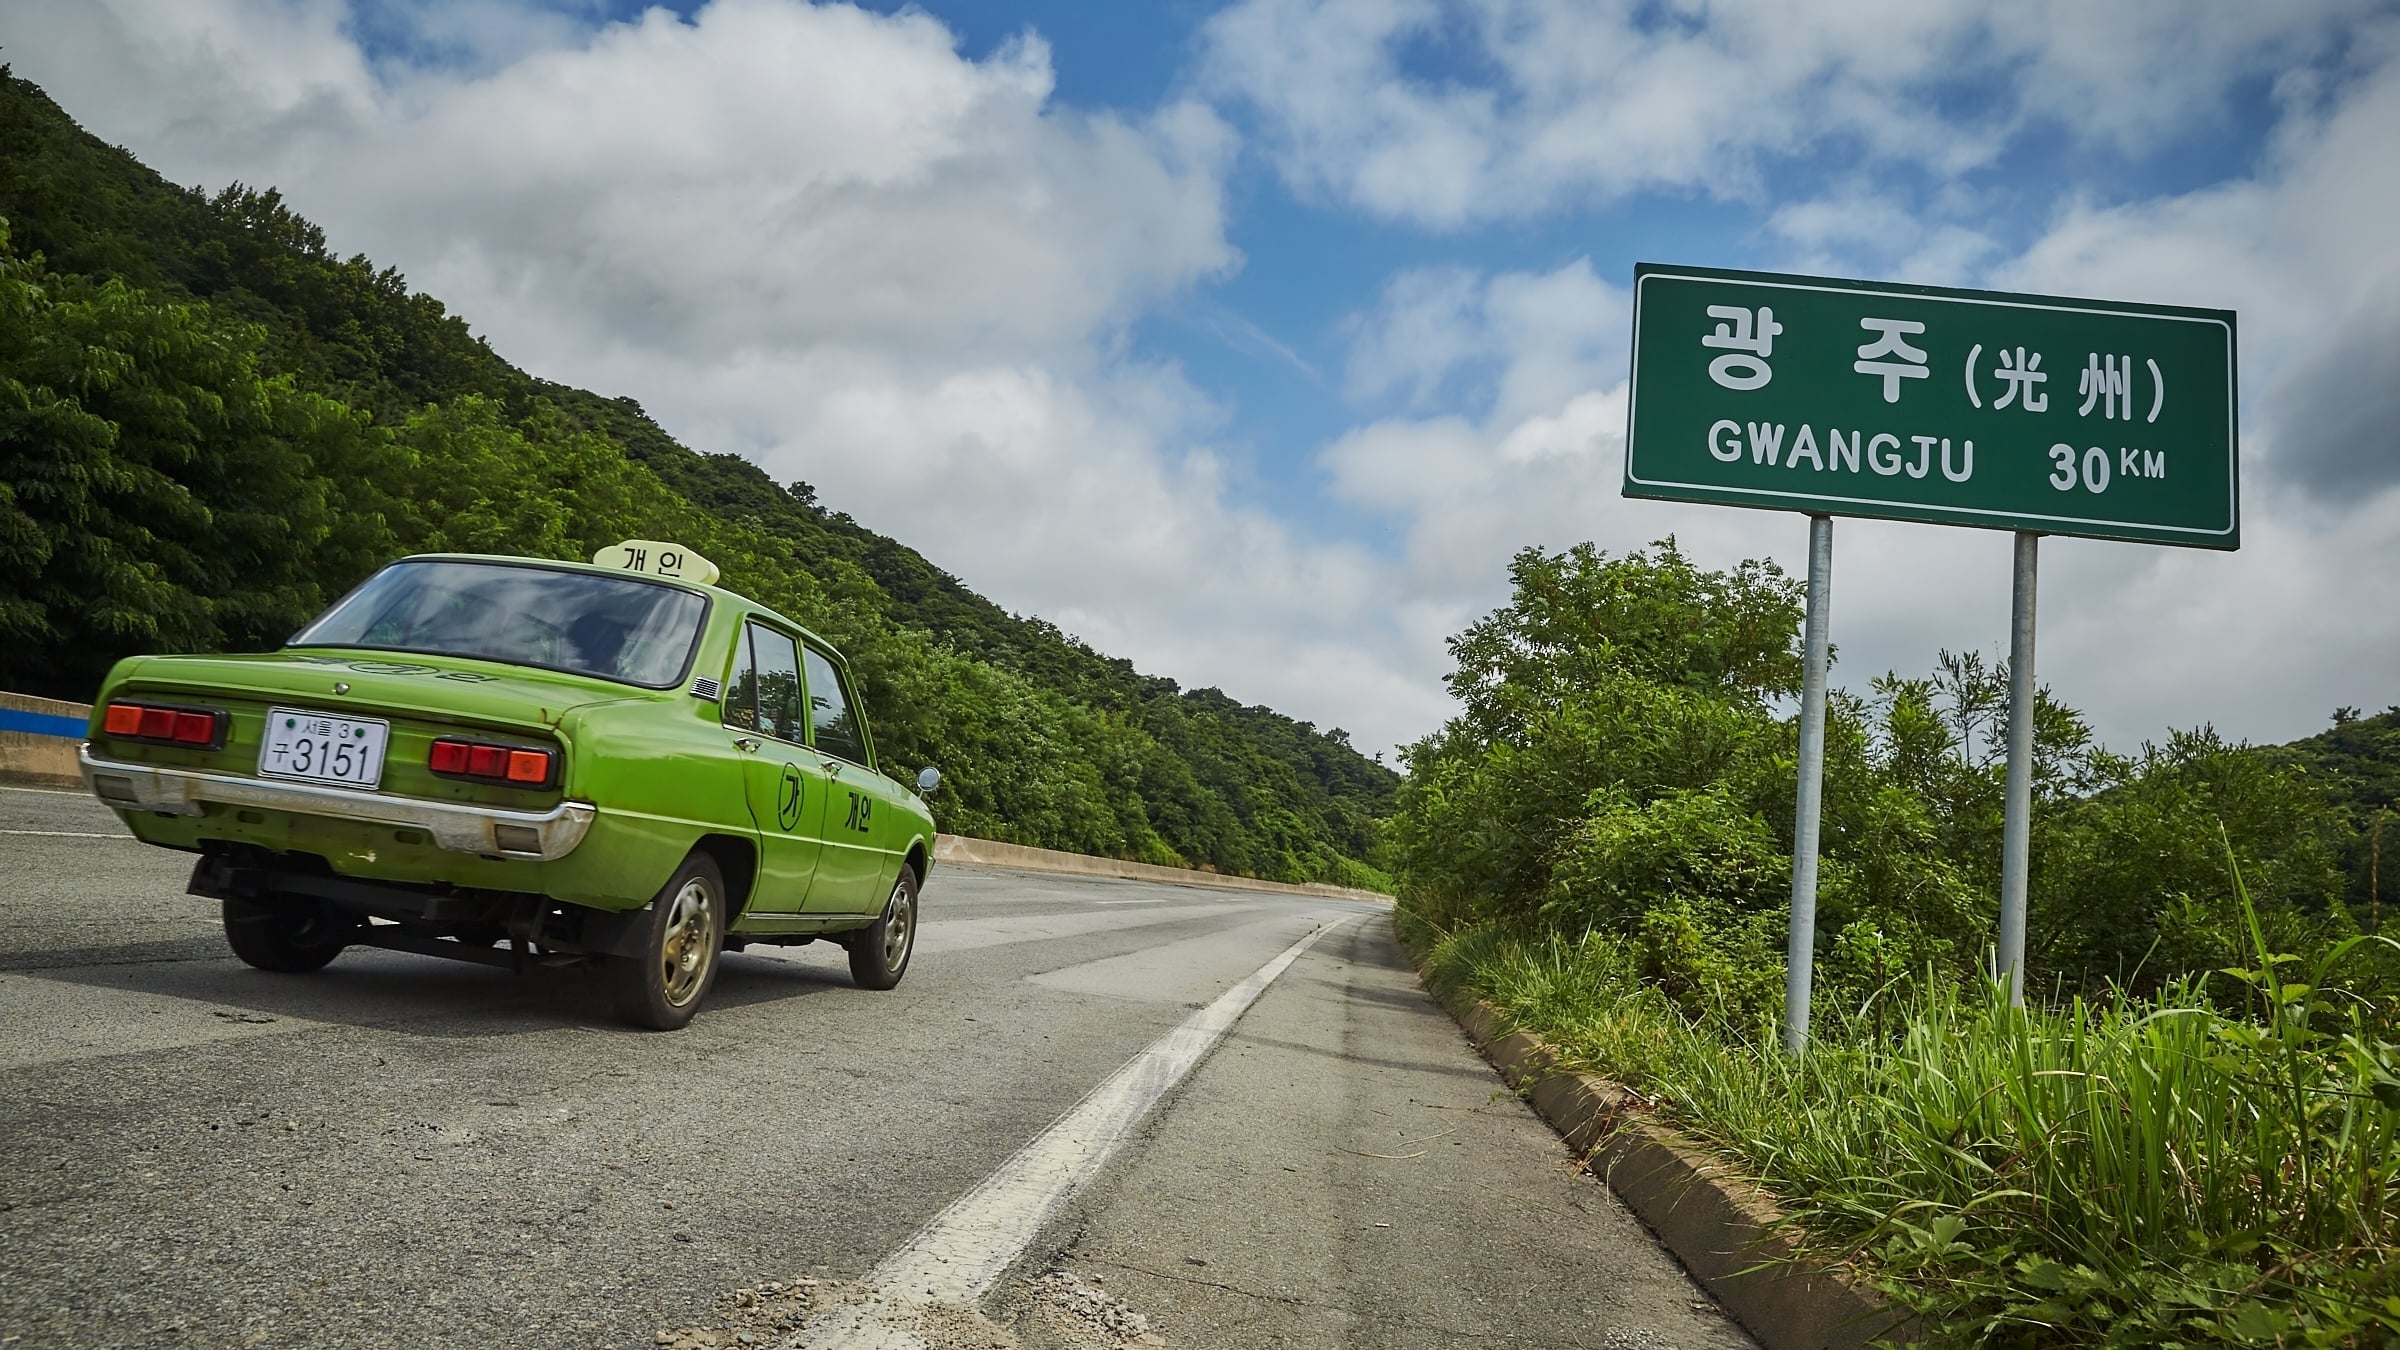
x=2016, y=830
x=1801, y=942
x=2030, y=413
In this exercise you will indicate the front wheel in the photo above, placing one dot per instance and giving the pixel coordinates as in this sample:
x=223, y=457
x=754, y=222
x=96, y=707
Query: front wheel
x=290, y=937
x=681, y=933
x=879, y=952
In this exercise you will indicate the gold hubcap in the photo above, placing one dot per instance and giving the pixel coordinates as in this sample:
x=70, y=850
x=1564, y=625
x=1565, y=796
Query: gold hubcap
x=899, y=926
x=687, y=952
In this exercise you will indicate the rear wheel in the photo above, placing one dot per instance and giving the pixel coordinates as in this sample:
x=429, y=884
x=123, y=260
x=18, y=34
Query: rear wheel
x=681, y=933
x=290, y=937
x=879, y=952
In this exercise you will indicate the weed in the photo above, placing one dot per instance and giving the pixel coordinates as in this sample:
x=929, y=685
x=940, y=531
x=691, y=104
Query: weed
x=2122, y=1170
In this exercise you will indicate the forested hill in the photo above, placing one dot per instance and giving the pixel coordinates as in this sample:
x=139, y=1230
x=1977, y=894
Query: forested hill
x=2356, y=764
x=210, y=425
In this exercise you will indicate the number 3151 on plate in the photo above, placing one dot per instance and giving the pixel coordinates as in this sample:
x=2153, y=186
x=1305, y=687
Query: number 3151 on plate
x=322, y=748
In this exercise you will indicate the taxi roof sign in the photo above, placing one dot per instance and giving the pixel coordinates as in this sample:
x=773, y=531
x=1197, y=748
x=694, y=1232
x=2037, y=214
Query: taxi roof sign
x=659, y=559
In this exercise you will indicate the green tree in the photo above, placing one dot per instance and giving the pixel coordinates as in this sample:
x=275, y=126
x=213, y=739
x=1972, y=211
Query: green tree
x=155, y=490
x=212, y=423
x=1621, y=767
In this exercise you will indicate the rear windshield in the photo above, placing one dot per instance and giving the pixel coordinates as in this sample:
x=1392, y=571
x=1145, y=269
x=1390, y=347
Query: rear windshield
x=618, y=628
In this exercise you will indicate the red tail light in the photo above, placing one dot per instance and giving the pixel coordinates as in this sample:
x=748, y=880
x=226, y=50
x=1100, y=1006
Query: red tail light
x=491, y=763
x=203, y=727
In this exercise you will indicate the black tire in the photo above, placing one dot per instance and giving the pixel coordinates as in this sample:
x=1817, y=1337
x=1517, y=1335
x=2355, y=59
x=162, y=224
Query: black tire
x=290, y=937
x=880, y=951
x=682, y=931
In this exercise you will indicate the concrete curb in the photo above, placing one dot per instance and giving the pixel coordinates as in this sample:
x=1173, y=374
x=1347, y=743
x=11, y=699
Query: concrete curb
x=37, y=748
x=1716, y=1223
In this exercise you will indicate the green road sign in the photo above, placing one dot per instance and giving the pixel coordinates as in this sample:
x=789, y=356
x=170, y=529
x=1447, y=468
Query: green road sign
x=2016, y=412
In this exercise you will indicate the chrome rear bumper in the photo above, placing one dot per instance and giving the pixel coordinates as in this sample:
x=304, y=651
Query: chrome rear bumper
x=488, y=831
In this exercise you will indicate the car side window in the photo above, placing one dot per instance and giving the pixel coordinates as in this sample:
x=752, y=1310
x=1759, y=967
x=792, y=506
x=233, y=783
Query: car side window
x=778, y=661
x=830, y=713
x=741, y=693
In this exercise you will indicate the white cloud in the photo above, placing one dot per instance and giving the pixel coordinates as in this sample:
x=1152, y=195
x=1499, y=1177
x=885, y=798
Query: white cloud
x=197, y=86
x=2302, y=251
x=1861, y=230
x=828, y=240
x=818, y=237
x=2263, y=642
x=1562, y=103
x=1418, y=337
x=1535, y=340
x=774, y=174
x=477, y=36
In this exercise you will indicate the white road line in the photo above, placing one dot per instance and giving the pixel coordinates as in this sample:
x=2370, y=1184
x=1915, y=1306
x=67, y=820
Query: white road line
x=47, y=792
x=73, y=834
x=957, y=1258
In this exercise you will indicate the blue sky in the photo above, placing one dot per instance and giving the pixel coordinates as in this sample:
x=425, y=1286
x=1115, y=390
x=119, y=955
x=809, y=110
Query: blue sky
x=1266, y=342
x=1249, y=340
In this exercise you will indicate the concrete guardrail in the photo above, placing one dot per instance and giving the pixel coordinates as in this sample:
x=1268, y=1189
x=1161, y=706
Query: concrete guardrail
x=38, y=737
x=955, y=848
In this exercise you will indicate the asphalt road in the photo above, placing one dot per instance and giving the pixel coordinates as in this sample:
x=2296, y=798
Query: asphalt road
x=399, y=1151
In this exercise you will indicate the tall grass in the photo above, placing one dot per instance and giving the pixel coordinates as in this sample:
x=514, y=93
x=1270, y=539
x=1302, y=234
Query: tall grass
x=2129, y=1171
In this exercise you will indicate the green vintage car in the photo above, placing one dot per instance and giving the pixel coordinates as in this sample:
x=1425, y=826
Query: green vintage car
x=521, y=762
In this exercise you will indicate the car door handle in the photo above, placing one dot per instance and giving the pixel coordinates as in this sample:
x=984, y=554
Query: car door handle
x=745, y=744
x=834, y=768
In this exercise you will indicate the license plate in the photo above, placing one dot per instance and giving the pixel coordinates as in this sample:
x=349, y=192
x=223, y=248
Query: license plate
x=322, y=748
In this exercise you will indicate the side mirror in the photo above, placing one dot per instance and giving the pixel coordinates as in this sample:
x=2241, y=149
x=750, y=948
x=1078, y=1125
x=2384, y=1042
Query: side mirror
x=928, y=778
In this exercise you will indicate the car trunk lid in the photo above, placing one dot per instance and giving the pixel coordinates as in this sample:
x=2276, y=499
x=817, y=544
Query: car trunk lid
x=423, y=698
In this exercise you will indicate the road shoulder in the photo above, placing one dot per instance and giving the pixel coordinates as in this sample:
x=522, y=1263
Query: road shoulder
x=1346, y=1171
